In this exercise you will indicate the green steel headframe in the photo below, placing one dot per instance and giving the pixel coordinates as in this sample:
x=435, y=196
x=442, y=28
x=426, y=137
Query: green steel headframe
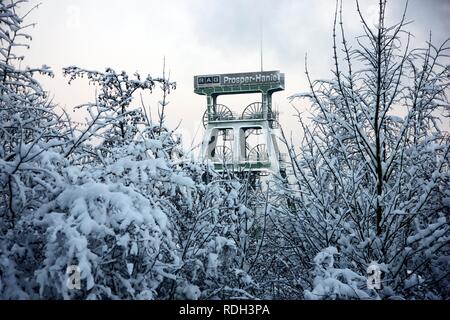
x=264, y=82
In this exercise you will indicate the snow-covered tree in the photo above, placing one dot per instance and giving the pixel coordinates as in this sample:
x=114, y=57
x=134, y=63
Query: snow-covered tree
x=29, y=125
x=372, y=171
x=147, y=224
x=32, y=136
x=214, y=232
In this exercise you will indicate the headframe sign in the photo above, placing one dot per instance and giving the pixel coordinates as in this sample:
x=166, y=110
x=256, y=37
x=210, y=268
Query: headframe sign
x=239, y=79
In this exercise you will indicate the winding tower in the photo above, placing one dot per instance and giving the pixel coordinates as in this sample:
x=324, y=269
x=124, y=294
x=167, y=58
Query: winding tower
x=244, y=142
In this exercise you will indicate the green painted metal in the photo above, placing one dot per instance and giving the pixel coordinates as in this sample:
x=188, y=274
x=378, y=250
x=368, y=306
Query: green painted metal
x=213, y=86
x=217, y=87
x=244, y=166
x=240, y=80
x=263, y=88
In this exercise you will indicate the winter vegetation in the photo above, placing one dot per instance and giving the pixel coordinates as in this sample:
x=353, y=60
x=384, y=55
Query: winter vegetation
x=117, y=197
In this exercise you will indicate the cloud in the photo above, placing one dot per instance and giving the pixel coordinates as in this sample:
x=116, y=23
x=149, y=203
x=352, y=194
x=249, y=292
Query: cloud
x=199, y=37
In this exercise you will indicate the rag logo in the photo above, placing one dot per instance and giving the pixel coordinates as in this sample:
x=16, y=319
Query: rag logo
x=74, y=277
x=208, y=80
x=374, y=277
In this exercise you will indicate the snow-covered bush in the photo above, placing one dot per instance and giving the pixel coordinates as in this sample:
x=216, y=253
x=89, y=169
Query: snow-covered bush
x=332, y=283
x=122, y=145
x=370, y=182
x=32, y=136
x=29, y=125
x=214, y=243
x=113, y=234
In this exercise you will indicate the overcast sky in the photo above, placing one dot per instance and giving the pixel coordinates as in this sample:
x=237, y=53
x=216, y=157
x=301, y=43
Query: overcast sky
x=202, y=37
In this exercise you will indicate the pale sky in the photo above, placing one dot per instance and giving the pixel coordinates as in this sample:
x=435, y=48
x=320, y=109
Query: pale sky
x=204, y=37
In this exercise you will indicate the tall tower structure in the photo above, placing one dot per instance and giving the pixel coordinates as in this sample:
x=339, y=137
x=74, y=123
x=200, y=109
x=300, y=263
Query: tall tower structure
x=245, y=142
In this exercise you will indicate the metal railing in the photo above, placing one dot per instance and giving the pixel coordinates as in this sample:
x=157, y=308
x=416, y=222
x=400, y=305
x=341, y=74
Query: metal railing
x=271, y=116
